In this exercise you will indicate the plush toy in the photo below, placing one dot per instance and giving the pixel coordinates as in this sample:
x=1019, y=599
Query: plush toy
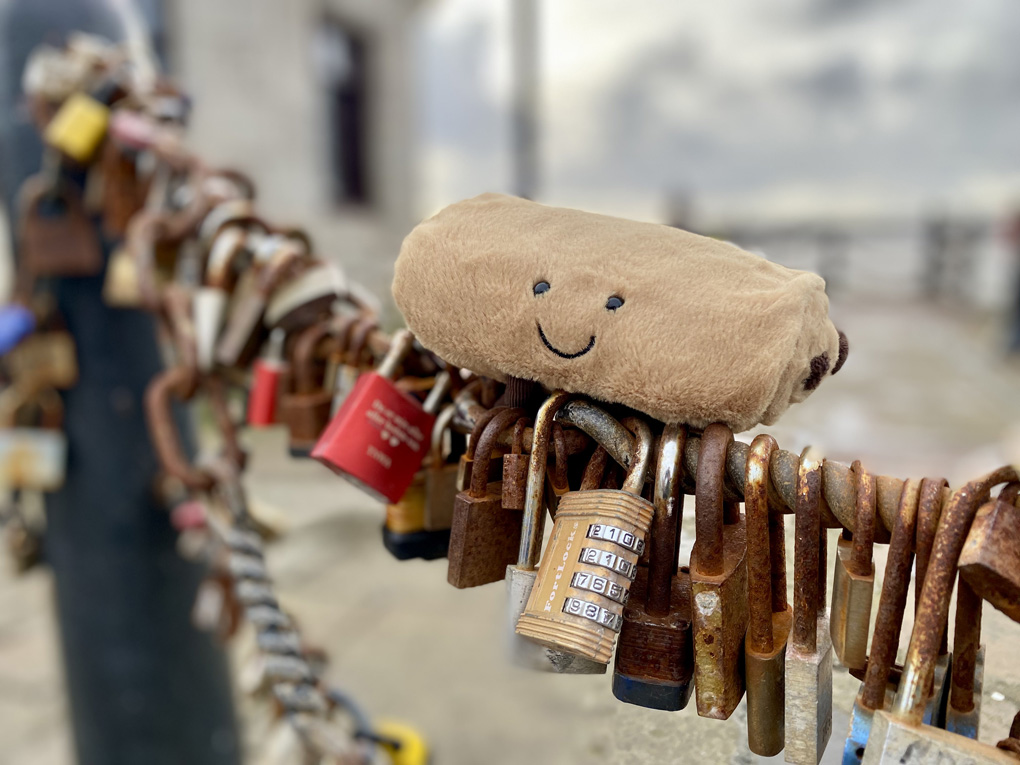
x=681, y=327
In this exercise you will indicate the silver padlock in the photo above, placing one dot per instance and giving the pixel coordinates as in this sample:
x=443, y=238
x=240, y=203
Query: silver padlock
x=809, y=653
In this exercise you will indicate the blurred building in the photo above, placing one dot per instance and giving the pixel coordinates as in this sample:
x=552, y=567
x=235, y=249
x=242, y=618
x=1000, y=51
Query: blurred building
x=312, y=98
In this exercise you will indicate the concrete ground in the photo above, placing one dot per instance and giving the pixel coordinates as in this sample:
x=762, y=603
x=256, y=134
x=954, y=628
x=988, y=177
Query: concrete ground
x=925, y=393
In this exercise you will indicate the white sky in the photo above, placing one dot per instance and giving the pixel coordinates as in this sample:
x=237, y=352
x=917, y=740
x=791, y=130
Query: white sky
x=787, y=108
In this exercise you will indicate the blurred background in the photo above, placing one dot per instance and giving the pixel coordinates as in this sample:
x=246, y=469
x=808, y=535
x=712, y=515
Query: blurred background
x=874, y=143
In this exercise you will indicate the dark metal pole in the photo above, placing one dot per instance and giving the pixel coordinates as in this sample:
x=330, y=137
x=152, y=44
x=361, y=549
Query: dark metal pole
x=145, y=687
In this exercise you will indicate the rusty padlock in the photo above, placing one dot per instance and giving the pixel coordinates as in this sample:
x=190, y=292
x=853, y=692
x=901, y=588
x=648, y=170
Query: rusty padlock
x=809, y=653
x=900, y=735
x=853, y=582
x=770, y=617
x=577, y=602
x=467, y=460
x=876, y=691
x=55, y=235
x=719, y=585
x=655, y=654
x=963, y=712
x=990, y=561
x=520, y=577
x=378, y=439
x=305, y=409
x=124, y=189
x=515, y=470
x=485, y=537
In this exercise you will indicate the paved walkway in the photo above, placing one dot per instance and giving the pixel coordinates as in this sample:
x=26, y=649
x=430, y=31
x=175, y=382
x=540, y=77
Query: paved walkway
x=924, y=393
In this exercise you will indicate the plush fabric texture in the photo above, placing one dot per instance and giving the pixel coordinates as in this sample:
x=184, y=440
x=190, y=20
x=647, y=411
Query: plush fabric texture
x=706, y=331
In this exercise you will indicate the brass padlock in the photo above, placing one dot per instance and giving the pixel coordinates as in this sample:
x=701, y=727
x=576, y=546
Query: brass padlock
x=405, y=517
x=876, y=692
x=770, y=617
x=583, y=581
x=441, y=478
x=520, y=577
x=655, y=654
x=990, y=560
x=55, y=235
x=718, y=583
x=515, y=470
x=809, y=654
x=305, y=409
x=901, y=736
x=853, y=581
x=485, y=537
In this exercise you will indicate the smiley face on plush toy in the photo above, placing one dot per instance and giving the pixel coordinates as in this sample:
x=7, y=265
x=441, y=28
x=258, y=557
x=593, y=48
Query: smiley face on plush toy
x=681, y=327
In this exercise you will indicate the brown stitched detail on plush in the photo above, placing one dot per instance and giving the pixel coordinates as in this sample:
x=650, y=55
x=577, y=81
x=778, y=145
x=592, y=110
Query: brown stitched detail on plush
x=844, y=349
x=819, y=366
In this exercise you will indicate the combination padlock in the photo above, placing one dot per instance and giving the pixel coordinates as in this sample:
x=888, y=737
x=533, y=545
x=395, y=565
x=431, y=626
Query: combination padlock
x=770, y=617
x=655, y=654
x=520, y=577
x=378, y=439
x=485, y=536
x=853, y=582
x=584, y=579
x=719, y=584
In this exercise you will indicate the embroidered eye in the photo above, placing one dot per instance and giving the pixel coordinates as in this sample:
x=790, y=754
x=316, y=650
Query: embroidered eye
x=541, y=288
x=614, y=302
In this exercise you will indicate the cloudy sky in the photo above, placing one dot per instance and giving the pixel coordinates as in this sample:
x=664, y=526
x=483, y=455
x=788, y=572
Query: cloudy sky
x=753, y=107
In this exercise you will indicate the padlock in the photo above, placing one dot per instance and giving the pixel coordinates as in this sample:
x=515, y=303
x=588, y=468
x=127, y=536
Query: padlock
x=123, y=188
x=55, y=235
x=414, y=525
x=16, y=323
x=718, y=583
x=306, y=298
x=33, y=448
x=244, y=330
x=963, y=712
x=770, y=617
x=121, y=288
x=853, y=582
x=485, y=536
x=78, y=127
x=990, y=561
x=876, y=691
x=266, y=373
x=305, y=409
x=466, y=464
x=228, y=253
x=378, y=438
x=515, y=470
x=809, y=653
x=900, y=736
x=655, y=655
x=352, y=338
x=583, y=581
x=45, y=359
x=520, y=577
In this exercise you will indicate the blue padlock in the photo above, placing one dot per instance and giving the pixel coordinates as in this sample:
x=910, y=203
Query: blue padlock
x=16, y=323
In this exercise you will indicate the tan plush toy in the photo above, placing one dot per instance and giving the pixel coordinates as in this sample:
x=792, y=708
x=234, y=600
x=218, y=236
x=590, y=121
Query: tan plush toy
x=679, y=326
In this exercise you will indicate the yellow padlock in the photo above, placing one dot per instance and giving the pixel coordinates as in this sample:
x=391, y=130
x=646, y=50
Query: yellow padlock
x=78, y=127
x=403, y=744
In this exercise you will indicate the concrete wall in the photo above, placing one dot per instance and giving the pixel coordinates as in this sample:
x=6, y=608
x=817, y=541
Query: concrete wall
x=259, y=106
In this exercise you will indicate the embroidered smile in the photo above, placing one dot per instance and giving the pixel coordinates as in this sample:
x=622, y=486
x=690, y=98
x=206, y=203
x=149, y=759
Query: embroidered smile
x=561, y=354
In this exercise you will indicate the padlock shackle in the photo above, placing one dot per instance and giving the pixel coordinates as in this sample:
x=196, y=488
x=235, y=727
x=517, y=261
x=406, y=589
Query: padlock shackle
x=966, y=642
x=665, y=530
x=442, y=424
x=306, y=350
x=486, y=446
x=180, y=383
x=641, y=461
x=400, y=345
x=595, y=469
x=922, y=653
x=889, y=622
x=806, y=558
x=709, y=498
x=929, y=510
x=226, y=251
x=437, y=394
x=864, y=521
x=759, y=562
x=534, y=516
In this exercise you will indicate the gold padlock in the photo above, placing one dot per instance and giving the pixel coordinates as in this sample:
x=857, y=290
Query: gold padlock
x=78, y=127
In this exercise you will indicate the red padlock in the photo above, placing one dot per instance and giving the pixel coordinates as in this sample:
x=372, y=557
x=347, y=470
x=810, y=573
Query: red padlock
x=266, y=372
x=380, y=435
